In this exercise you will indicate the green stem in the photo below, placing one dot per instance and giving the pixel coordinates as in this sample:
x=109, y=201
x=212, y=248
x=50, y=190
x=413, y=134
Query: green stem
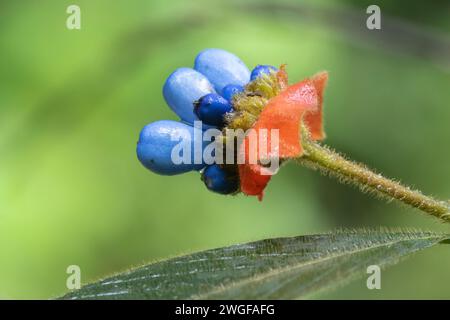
x=320, y=157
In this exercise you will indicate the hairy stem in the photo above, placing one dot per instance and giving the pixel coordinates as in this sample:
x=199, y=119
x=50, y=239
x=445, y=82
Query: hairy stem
x=320, y=157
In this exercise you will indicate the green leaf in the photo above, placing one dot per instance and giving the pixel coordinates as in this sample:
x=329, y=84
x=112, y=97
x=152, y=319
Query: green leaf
x=281, y=268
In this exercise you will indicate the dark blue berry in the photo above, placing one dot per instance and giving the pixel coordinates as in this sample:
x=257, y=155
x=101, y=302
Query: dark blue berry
x=260, y=70
x=230, y=90
x=212, y=108
x=219, y=180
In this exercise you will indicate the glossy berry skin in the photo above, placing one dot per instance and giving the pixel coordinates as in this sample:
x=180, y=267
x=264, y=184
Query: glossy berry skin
x=260, y=70
x=221, y=68
x=212, y=108
x=230, y=90
x=219, y=180
x=182, y=88
x=158, y=139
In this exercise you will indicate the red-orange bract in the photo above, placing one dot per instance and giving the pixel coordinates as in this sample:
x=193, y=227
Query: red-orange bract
x=296, y=103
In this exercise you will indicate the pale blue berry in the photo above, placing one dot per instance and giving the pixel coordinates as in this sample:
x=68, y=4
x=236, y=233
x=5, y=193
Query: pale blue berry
x=157, y=142
x=182, y=88
x=222, y=68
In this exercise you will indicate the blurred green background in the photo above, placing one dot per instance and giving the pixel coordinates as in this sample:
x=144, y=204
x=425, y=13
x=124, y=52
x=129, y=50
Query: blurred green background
x=72, y=104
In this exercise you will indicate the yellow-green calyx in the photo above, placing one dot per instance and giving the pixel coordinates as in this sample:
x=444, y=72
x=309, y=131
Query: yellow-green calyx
x=249, y=104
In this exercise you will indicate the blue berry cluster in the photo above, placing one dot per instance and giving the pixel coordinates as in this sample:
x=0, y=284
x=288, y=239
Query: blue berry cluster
x=204, y=93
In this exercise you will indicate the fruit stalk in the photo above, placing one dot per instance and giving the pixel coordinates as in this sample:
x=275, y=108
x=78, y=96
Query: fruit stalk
x=328, y=161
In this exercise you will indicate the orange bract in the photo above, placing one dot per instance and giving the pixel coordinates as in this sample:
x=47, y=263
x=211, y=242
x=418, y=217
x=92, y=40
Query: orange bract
x=301, y=101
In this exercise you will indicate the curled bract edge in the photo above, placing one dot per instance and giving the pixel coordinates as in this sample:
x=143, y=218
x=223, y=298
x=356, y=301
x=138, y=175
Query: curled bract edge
x=297, y=103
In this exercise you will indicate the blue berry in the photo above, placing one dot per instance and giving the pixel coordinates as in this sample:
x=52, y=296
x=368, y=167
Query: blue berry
x=260, y=70
x=219, y=180
x=211, y=109
x=157, y=141
x=182, y=88
x=230, y=90
x=221, y=68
